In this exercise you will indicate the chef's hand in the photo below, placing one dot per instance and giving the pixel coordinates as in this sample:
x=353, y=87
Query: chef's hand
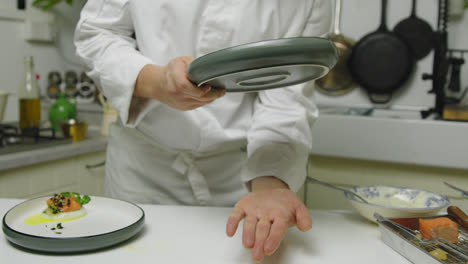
x=170, y=85
x=268, y=211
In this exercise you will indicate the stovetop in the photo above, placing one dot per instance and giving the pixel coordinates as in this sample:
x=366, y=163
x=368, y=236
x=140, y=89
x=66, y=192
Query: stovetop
x=13, y=140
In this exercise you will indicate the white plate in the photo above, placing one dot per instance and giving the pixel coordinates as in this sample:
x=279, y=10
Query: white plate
x=107, y=222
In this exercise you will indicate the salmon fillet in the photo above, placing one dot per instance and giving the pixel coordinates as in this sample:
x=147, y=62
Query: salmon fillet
x=440, y=227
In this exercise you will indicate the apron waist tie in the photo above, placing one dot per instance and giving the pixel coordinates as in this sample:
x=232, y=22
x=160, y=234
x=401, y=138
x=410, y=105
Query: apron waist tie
x=184, y=164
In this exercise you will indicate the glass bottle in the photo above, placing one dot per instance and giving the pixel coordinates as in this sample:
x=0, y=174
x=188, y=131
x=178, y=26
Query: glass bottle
x=29, y=98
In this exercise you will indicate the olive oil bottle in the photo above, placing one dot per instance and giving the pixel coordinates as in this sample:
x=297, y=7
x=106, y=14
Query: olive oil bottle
x=29, y=98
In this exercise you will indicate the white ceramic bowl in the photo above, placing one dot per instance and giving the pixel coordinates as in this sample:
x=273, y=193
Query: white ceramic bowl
x=396, y=202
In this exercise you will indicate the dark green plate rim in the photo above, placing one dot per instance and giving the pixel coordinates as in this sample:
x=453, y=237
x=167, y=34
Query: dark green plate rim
x=316, y=51
x=72, y=244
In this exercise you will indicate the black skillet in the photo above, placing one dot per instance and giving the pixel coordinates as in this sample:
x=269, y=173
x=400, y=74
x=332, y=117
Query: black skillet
x=417, y=33
x=381, y=62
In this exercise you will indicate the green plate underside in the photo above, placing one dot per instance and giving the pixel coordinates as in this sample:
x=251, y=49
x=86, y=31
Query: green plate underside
x=265, y=65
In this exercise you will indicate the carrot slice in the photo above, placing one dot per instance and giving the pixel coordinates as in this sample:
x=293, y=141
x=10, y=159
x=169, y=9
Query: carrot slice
x=440, y=227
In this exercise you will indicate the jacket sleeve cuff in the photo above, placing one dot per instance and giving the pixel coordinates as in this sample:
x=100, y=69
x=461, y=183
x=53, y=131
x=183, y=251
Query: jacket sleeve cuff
x=131, y=109
x=281, y=160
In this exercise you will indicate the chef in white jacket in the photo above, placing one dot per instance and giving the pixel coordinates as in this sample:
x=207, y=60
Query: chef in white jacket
x=175, y=143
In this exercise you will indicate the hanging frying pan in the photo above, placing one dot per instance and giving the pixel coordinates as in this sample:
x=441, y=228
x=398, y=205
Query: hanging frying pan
x=265, y=65
x=339, y=80
x=381, y=62
x=417, y=33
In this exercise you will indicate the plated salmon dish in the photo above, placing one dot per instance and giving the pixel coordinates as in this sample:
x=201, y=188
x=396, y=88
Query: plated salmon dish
x=65, y=206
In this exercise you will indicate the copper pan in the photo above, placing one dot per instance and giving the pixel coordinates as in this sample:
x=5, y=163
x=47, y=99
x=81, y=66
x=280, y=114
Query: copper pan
x=339, y=80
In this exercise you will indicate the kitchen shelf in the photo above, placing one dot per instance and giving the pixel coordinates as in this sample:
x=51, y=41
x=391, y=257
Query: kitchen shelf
x=400, y=140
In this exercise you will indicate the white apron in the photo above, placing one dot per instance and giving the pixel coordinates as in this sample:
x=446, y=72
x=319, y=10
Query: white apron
x=171, y=176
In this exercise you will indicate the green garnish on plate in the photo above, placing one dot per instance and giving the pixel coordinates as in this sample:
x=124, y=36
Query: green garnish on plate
x=82, y=200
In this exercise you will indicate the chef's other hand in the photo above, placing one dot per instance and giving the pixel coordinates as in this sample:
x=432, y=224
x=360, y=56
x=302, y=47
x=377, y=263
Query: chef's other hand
x=170, y=85
x=268, y=211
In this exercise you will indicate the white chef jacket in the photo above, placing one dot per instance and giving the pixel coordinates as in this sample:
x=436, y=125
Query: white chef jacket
x=159, y=154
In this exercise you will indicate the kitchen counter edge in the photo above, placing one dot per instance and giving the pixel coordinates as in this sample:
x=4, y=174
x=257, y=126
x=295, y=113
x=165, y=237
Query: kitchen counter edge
x=94, y=142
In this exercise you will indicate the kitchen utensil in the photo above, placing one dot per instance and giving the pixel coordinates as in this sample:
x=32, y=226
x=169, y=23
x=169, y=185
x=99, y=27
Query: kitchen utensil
x=3, y=102
x=393, y=201
x=440, y=62
x=459, y=216
x=338, y=81
x=454, y=83
x=76, y=130
x=337, y=188
x=108, y=222
x=265, y=65
x=417, y=33
x=381, y=62
x=453, y=211
x=54, y=80
x=455, y=112
x=109, y=115
x=70, y=82
x=464, y=192
x=401, y=235
x=85, y=89
x=406, y=230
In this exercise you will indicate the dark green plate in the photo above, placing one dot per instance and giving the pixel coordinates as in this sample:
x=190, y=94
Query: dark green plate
x=265, y=65
x=107, y=222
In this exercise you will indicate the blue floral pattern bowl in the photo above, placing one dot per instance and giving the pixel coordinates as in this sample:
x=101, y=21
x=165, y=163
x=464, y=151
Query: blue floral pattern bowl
x=396, y=202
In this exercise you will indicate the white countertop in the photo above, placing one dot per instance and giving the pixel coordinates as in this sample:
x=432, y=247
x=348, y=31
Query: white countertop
x=178, y=234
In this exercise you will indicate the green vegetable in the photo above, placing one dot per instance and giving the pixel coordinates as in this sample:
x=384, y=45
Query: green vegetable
x=51, y=210
x=82, y=200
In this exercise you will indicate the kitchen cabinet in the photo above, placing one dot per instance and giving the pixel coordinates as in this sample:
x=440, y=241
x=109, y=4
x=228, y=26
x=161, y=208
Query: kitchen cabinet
x=68, y=174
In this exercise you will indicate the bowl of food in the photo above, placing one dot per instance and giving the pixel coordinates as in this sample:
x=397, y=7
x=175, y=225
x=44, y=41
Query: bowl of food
x=396, y=202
